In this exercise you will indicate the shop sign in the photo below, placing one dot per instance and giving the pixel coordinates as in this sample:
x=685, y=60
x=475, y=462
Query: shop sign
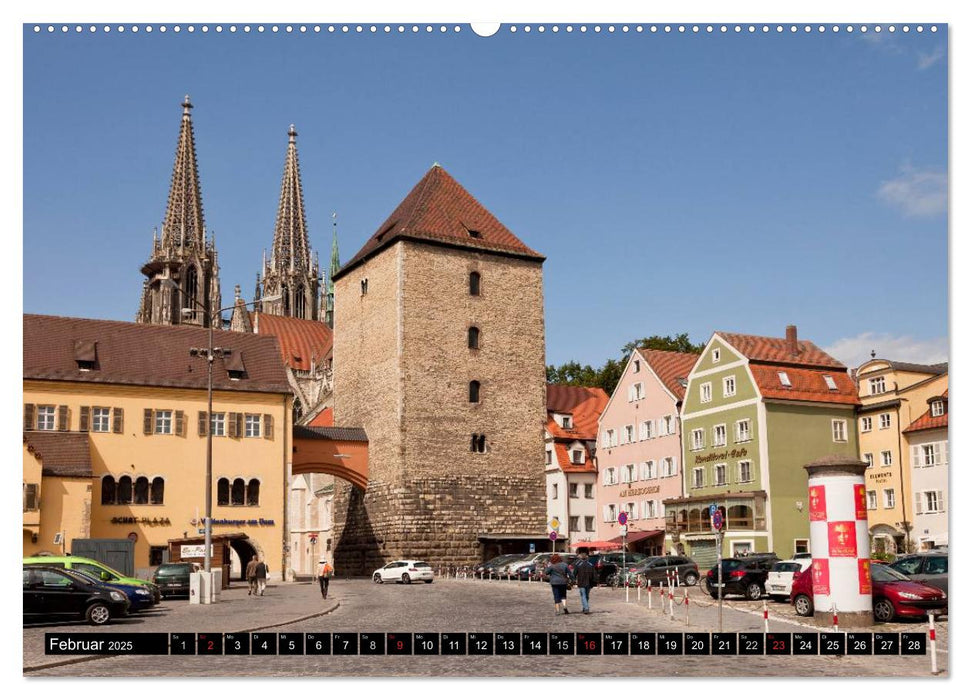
x=140, y=521
x=718, y=456
x=817, y=502
x=639, y=491
x=193, y=551
x=254, y=521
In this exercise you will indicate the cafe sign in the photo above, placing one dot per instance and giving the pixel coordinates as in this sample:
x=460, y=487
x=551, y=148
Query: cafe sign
x=719, y=456
x=193, y=551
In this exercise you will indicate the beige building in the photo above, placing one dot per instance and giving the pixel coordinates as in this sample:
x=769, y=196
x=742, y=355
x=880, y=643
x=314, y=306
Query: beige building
x=893, y=395
x=115, y=419
x=439, y=354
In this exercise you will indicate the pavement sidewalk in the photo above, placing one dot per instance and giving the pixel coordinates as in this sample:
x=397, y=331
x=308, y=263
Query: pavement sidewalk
x=282, y=604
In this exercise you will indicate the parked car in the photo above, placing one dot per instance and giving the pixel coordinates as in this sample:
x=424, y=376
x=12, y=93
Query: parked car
x=926, y=567
x=534, y=568
x=740, y=576
x=173, y=578
x=655, y=570
x=404, y=571
x=513, y=567
x=778, y=584
x=570, y=560
x=102, y=571
x=50, y=592
x=803, y=555
x=609, y=565
x=489, y=567
x=139, y=597
x=894, y=595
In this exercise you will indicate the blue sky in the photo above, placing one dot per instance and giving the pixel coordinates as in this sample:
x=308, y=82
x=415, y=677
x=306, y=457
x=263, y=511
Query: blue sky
x=675, y=182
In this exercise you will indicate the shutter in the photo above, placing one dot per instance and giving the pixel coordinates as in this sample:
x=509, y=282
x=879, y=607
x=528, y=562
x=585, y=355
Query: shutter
x=637, y=512
x=29, y=419
x=674, y=466
x=268, y=426
x=915, y=460
x=233, y=425
x=203, y=428
x=604, y=513
x=940, y=502
x=239, y=425
x=944, y=452
x=180, y=423
x=84, y=418
x=918, y=504
x=147, y=421
x=118, y=420
x=63, y=418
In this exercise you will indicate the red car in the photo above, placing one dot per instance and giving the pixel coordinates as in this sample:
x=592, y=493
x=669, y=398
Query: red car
x=894, y=595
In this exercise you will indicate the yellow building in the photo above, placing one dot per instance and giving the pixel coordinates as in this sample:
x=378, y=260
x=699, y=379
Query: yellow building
x=132, y=398
x=893, y=395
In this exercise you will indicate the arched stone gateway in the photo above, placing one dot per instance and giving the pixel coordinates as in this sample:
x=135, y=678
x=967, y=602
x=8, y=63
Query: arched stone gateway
x=342, y=452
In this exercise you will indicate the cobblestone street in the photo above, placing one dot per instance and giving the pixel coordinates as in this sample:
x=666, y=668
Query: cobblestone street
x=463, y=606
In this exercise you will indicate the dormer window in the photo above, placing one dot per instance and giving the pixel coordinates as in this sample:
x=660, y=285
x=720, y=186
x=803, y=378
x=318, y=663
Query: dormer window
x=473, y=233
x=784, y=380
x=576, y=456
x=878, y=385
x=86, y=354
x=566, y=422
x=234, y=365
x=937, y=408
x=830, y=382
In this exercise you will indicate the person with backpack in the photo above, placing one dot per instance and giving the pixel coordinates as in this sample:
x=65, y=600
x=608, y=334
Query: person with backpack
x=586, y=577
x=324, y=572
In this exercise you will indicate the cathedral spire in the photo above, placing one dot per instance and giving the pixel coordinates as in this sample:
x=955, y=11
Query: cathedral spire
x=183, y=226
x=290, y=273
x=335, y=265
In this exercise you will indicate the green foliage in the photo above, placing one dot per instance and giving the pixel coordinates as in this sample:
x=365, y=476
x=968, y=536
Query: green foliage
x=607, y=377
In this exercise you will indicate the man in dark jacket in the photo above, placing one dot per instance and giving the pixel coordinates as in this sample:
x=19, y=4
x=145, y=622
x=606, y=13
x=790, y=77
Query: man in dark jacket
x=586, y=578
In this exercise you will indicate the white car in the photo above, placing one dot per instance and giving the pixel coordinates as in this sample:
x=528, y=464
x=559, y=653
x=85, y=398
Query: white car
x=779, y=583
x=404, y=571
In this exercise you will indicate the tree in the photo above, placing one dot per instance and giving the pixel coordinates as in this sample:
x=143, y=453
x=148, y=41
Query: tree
x=678, y=343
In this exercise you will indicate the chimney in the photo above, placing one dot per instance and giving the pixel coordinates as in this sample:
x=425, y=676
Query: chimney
x=792, y=344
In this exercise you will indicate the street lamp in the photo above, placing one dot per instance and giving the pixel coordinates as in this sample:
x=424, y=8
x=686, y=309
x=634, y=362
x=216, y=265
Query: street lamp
x=210, y=353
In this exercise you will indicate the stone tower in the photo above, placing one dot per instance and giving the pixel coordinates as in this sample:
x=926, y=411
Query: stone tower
x=290, y=277
x=182, y=254
x=439, y=355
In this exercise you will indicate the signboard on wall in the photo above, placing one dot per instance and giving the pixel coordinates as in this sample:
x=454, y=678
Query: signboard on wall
x=191, y=551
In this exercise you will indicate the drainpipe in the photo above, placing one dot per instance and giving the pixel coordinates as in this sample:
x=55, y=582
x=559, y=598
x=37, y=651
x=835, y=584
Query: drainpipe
x=903, y=494
x=287, y=417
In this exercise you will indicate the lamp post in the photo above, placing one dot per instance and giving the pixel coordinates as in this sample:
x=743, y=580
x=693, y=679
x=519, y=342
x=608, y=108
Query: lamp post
x=209, y=353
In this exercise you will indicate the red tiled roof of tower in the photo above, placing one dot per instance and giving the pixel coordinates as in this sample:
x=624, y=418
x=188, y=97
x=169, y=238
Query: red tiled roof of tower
x=60, y=453
x=324, y=419
x=805, y=384
x=929, y=422
x=301, y=341
x=759, y=348
x=439, y=210
x=583, y=403
x=566, y=465
x=146, y=355
x=670, y=367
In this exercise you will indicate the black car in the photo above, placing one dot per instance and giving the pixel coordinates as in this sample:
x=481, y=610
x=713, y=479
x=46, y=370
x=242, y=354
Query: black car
x=655, y=570
x=609, y=564
x=926, y=567
x=173, y=579
x=741, y=576
x=50, y=592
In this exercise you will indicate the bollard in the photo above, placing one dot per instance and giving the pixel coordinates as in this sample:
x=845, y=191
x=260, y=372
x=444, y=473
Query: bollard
x=671, y=600
x=638, y=591
x=836, y=619
x=650, y=601
x=686, y=608
x=626, y=590
x=933, y=638
x=765, y=616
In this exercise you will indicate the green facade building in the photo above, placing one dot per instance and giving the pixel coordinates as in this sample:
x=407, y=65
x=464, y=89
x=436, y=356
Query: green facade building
x=756, y=410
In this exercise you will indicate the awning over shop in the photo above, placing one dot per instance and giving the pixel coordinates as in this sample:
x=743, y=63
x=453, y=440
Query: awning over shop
x=633, y=537
x=599, y=544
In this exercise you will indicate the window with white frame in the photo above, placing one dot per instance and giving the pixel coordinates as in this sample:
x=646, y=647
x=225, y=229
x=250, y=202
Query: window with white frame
x=728, y=386
x=719, y=436
x=549, y=456
x=784, y=379
x=668, y=467
x=716, y=355
x=163, y=422
x=889, y=499
x=698, y=439
x=830, y=382
x=868, y=458
x=667, y=423
x=706, y=392
x=588, y=523
x=839, y=431
x=638, y=391
x=555, y=490
x=871, y=500
x=743, y=430
x=649, y=509
x=720, y=470
x=937, y=408
x=574, y=490
x=628, y=434
x=646, y=433
x=878, y=385
x=744, y=471
x=631, y=510
x=628, y=473
x=637, y=366
x=217, y=424
x=698, y=477
x=253, y=425
x=566, y=422
x=886, y=458
x=609, y=476
x=588, y=490
x=100, y=420
x=929, y=502
x=866, y=424
x=45, y=417
x=610, y=438
x=576, y=456
x=650, y=470
x=611, y=513
x=574, y=523
x=884, y=421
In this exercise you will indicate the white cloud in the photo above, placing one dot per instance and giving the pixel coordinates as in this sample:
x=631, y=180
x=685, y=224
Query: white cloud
x=926, y=60
x=916, y=192
x=854, y=351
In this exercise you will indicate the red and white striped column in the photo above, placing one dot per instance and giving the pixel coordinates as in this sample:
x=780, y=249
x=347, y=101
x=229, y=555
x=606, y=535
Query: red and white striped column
x=839, y=539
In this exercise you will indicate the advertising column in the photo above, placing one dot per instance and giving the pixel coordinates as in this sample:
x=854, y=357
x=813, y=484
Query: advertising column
x=840, y=541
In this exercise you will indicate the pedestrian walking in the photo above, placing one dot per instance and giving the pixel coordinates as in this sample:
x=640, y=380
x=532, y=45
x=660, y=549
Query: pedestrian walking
x=586, y=577
x=251, y=575
x=559, y=582
x=324, y=572
x=260, y=571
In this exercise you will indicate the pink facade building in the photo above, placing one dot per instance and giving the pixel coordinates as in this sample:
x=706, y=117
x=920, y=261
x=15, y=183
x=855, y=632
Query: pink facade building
x=639, y=449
